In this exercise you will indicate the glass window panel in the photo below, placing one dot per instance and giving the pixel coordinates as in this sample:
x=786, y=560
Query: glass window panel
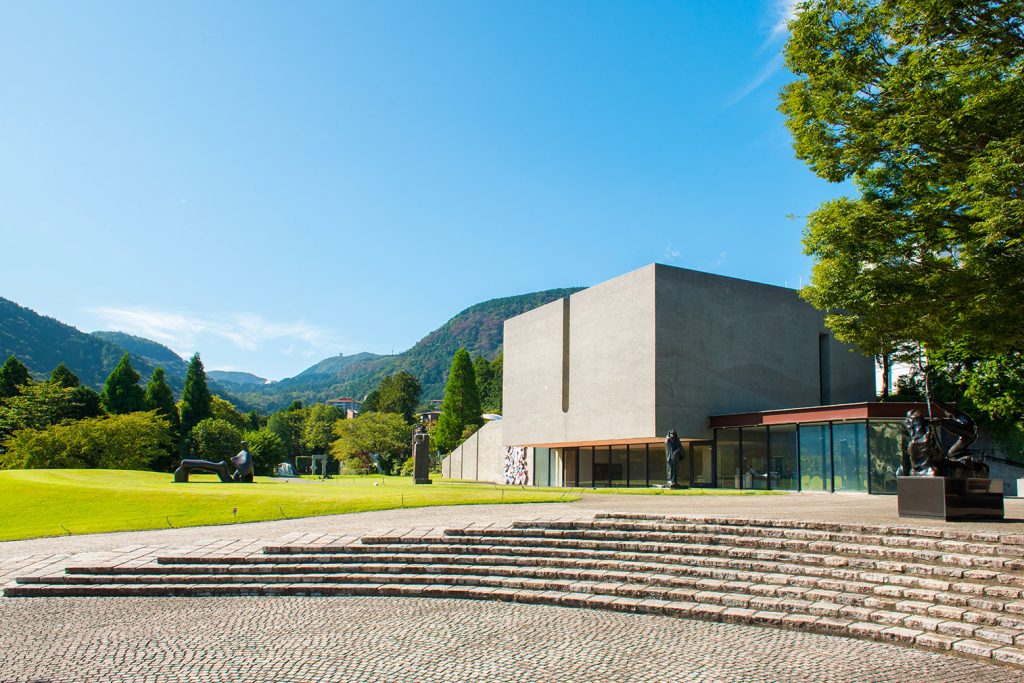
x=656, y=463
x=702, y=465
x=617, y=466
x=755, y=457
x=683, y=467
x=728, y=451
x=886, y=446
x=541, y=470
x=638, y=465
x=782, y=456
x=850, y=456
x=815, y=458
x=570, y=462
x=586, y=456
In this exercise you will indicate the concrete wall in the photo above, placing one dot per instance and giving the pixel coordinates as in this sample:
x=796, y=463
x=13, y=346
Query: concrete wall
x=662, y=348
x=481, y=457
x=727, y=346
x=582, y=368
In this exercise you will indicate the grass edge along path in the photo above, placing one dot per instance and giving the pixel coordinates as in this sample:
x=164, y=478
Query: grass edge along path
x=43, y=503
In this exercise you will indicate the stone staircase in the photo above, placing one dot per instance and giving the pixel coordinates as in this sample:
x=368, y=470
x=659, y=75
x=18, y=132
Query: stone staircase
x=930, y=587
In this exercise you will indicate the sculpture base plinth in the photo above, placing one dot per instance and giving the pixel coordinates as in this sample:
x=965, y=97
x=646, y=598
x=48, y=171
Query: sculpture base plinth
x=950, y=499
x=417, y=480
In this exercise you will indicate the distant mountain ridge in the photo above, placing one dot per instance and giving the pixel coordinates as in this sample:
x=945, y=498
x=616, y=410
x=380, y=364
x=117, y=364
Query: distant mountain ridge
x=42, y=342
x=479, y=328
x=235, y=378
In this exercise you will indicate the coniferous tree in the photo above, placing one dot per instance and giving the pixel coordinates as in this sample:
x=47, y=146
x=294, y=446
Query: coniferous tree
x=121, y=393
x=196, y=401
x=160, y=398
x=461, y=405
x=62, y=376
x=13, y=374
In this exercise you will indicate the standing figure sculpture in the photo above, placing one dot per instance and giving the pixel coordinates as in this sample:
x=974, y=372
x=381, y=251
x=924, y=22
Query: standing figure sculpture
x=421, y=455
x=673, y=451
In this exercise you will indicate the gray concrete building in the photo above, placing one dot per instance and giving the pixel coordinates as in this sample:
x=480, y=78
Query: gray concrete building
x=593, y=382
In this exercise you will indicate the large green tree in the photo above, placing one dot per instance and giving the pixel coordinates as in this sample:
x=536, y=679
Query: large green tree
x=267, y=450
x=13, y=374
x=918, y=104
x=397, y=393
x=489, y=376
x=318, y=427
x=196, y=401
x=160, y=399
x=64, y=377
x=384, y=436
x=121, y=393
x=461, y=405
x=214, y=439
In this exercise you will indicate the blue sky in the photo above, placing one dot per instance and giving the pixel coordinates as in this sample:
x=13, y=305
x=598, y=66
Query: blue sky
x=274, y=183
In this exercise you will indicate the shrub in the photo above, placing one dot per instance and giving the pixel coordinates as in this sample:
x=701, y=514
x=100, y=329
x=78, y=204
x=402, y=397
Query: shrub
x=267, y=450
x=214, y=439
x=122, y=442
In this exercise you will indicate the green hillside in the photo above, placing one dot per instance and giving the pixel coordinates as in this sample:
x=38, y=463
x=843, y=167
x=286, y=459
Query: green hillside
x=41, y=343
x=234, y=378
x=479, y=328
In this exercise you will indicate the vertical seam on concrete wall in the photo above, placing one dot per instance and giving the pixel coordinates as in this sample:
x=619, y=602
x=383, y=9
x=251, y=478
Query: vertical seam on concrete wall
x=565, y=354
x=824, y=370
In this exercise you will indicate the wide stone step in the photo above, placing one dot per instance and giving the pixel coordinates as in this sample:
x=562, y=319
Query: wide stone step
x=905, y=577
x=937, y=564
x=841, y=527
x=970, y=547
x=882, y=585
x=970, y=561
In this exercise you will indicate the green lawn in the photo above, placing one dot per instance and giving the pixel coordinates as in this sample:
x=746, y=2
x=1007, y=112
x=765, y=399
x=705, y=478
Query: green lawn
x=36, y=503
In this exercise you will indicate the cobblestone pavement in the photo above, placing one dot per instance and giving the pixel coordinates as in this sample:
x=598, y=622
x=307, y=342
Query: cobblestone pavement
x=391, y=639
x=385, y=640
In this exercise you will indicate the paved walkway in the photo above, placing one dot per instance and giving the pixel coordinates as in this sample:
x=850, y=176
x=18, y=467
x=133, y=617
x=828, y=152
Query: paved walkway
x=391, y=639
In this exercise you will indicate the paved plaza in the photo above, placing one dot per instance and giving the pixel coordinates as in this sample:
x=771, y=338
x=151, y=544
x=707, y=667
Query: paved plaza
x=416, y=639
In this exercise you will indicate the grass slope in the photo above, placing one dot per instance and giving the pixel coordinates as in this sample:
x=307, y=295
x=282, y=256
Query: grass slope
x=35, y=503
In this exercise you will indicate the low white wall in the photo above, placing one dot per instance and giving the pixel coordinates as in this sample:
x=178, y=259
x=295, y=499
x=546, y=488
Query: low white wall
x=481, y=457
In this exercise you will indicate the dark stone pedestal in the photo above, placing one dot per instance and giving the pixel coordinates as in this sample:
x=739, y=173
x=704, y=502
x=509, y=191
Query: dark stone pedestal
x=950, y=499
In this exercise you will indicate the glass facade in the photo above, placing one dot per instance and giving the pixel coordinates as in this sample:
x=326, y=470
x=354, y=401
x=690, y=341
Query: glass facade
x=815, y=457
x=782, y=457
x=727, y=450
x=841, y=456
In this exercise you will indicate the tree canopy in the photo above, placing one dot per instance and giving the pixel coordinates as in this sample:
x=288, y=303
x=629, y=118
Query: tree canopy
x=196, y=401
x=385, y=435
x=919, y=105
x=13, y=374
x=397, y=393
x=62, y=376
x=461, y=405
x=121, y=393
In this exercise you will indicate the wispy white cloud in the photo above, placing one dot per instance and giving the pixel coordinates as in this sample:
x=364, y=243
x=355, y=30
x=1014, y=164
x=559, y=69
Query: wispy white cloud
x=183, y=332
x=783, y=12
x=671, y=253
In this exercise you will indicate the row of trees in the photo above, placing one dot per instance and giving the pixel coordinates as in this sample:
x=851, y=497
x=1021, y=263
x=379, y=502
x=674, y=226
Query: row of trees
x=918, y=104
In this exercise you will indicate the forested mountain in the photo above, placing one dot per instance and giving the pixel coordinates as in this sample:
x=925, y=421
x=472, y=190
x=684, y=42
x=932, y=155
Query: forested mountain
x=479, y=329
x=154, y=353
x=41, y=343
x=235, y=379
